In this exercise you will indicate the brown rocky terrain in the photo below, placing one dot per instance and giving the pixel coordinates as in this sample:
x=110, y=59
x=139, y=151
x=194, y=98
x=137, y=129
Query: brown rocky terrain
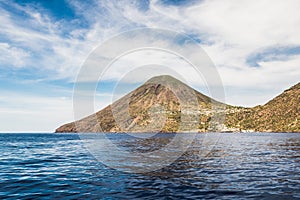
x=165, y=104
x=281, y=114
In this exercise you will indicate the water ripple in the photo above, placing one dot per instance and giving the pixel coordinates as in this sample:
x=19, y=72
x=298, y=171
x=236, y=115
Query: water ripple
x=241, y=166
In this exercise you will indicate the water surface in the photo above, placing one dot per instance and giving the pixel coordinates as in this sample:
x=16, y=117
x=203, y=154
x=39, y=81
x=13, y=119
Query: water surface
x=243, y=166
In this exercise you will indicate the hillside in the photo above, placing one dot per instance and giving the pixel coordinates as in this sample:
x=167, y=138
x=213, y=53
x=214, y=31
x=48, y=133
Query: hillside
x=154, y=107
x=281, y=114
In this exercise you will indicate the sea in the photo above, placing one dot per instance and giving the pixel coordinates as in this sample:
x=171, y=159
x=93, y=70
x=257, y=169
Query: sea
x=233, y=166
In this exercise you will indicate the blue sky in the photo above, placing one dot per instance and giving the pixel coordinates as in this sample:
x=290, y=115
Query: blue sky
x=254, y=45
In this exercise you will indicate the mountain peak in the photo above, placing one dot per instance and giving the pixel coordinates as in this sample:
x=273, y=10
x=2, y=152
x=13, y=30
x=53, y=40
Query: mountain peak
x=163, y=79
x=155, y=106
x=168, y=82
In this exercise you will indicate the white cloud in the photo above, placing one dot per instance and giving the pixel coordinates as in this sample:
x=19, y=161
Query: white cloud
x=57, y=45
x=12, y=55
x=230, y=31
x=33, y=113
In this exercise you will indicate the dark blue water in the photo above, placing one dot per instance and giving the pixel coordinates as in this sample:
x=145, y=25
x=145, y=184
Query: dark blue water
x=240, y=166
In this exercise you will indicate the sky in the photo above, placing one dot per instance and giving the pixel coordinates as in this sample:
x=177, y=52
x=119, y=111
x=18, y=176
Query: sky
x=254, y=45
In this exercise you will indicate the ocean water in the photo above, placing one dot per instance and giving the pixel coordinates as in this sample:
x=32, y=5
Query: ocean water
x=239, y=166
